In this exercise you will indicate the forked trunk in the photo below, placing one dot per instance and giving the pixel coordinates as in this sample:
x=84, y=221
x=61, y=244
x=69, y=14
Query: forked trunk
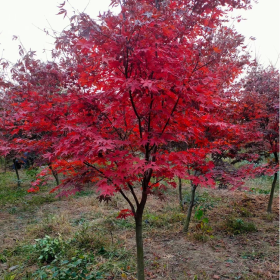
x=187, y=222
x=269, y=208
x=139, y=246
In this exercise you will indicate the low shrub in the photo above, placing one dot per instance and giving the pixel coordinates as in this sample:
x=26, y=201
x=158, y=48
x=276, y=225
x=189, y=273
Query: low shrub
x=77, y=268
x=49, y=248
x=237, y=226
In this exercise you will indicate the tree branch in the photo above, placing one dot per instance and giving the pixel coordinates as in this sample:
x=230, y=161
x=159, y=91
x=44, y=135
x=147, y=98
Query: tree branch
x=157, y=181
x=204, y=65
x=119, y=189
x=136, y=113
x=128, y=200
x=133, y=193
x=174, y=108
x=99, y=171
x=119, y=133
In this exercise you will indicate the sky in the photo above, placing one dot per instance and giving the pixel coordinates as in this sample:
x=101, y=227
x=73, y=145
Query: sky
x=28, y=18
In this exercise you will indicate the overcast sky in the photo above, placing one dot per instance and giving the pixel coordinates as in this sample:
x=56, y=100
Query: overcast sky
x=27, y=18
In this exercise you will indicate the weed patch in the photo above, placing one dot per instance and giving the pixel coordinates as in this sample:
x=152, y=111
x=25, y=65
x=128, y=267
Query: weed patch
x=89, y=238
x=127, y=223
x=77, y=268
x=244, y=212
x=49, y=248
x=237, y=226
x=253, y=255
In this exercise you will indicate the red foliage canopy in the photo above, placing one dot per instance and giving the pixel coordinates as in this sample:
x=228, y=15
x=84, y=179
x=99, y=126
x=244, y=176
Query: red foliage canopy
x=129, y=87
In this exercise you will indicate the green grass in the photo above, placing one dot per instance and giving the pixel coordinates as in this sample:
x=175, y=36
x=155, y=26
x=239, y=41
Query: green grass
x=9, y=192
x=84, y=193
x=36, y=201
x=16, y=199
x=163, y=220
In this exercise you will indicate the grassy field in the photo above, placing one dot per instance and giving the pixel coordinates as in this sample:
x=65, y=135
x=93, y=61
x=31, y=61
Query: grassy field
x=231, y=236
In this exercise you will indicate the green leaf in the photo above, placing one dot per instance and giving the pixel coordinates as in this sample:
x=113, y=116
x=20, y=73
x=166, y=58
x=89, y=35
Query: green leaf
x=205, y=220
x=198, y=214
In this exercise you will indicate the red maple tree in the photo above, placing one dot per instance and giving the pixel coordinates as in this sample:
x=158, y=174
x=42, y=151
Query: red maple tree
x=127, y=86
x=258, y=110
x=29, y=116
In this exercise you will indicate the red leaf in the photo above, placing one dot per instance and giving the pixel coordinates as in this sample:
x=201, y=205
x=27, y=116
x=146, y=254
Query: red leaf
x=124, y=214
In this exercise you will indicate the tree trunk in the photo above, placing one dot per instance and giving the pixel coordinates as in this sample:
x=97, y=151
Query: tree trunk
x=157, y=4
x=55, y=175
x=139, y=245
x=18, y=180
x=187, y=222
x=5, y=165
x=180, y=194
x=269, y=208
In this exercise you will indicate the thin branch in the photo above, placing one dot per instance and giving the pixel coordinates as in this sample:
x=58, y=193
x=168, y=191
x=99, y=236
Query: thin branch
x=136, y=113
x=120, y=70
x=131, y=189
x=205, y=64
x=119, y=189
x=151, y=105
x=126, y=65
x=235, y=161
x=194, y=69
x=86, y=6
x=44, y=31
x=129, y=202
x=99, y=171
x=174, y=108
x=157, y=181
x=119, y=133
x=133, y=193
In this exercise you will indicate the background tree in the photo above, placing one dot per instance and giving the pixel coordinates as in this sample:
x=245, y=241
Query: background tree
x=259, y=110
x=28, y=120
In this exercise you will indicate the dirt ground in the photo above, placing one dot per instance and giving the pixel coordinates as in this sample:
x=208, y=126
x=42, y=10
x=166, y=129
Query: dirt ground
x=211, y=252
